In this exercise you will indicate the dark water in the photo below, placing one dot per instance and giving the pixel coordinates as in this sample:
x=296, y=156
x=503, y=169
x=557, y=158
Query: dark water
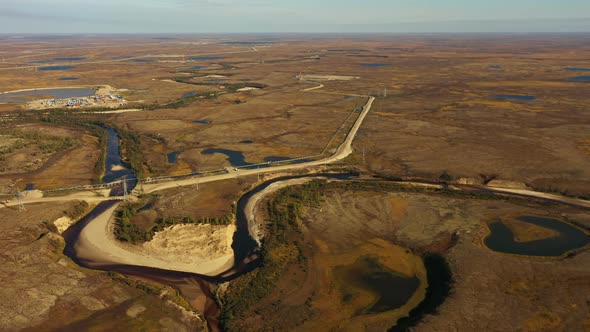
x=113, y=158
x=172, y=156
x=235, y=158
x=244, y=246
x=248, y=43
x=247, y=142
x=515, y=97
x=189, y=94
x=142, y=60
x=186, y=283
x=393, y=289
x=205, y=58
x=68, y=78
x=29, y=186
x=576, y=69
x=203, y=122
x=39, y=61
x=56, y=68
x=495, y=67
x=198, y=67
x=579, y=79
x=246, y=79
x=501, y=239
x=440, y=280
x=55, y=93
x=216, y=80
x=272, y=159
x=69, y=59
x=374, y=65
x=147, y=207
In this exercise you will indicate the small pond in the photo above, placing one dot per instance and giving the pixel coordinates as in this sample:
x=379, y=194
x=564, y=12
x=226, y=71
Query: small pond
x=501, y=238
x=392, y=289
x=216, y=80
x=56, y=68
x=69, y=59
x=576, y=69
x=516, y=97
x=579, y=79
x=374, y=65
x=205, y=58
x=247, y=43
x=189, y=94
x=172, y=156
x=203, y=122
x=235, y=158
x=68, y=78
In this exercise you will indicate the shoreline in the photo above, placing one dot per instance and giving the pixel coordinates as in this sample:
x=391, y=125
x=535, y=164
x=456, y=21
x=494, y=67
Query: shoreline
x=98, y=247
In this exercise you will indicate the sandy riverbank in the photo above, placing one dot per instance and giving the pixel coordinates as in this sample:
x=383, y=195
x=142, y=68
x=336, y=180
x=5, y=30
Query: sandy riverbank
x=183, y=249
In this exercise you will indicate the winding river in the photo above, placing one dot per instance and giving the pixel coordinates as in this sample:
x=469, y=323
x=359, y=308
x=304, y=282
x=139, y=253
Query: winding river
x=245, y=247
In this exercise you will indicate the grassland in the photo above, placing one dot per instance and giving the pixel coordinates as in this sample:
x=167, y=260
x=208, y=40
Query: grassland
x=440, y=120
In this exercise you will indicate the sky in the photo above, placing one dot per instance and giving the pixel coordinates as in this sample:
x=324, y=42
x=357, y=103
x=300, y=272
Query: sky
x=275, y=16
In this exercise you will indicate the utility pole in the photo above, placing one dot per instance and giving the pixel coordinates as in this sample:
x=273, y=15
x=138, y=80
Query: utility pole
x=125, y=197
x=19, y=197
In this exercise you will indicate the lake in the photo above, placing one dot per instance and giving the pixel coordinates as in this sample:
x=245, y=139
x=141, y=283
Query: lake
x=23, y=96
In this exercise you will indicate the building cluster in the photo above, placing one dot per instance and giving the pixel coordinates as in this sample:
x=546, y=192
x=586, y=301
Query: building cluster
x=105, y=100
